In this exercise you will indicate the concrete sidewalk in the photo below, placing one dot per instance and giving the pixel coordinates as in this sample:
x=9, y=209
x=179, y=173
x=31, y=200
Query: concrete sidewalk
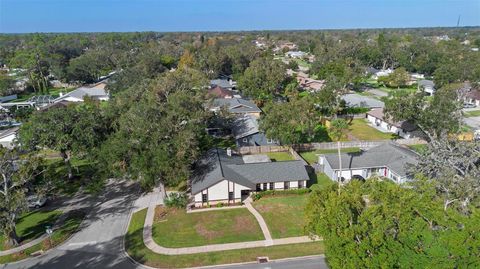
x=153, y=246
x=260, y=220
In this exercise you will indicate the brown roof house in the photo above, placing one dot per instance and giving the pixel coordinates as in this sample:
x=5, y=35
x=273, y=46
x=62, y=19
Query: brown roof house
x=219, y=92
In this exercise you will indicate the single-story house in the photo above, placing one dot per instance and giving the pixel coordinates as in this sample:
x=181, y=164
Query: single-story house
x=473, y=97
x=246, y=133
x=426, y=86
x=307, y=83
x=8, y=136
x=387, y=160
x=357, y=100
x=296, y=54
x=382, y=73
x=404, y=129
x=224, y=177
x=79, y=94
x=228, y=84
x=236, y=106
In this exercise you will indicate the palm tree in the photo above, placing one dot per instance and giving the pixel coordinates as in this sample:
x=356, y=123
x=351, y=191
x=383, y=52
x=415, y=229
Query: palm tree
x=338, y=129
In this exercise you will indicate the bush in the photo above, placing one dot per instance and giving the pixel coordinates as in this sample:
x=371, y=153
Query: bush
x=176, y=199
x=259, y=195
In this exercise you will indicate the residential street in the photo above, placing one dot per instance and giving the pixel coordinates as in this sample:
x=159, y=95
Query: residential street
x=99, y=243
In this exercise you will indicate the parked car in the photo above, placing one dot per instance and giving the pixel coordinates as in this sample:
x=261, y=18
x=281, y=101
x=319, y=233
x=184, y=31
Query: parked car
x=468, y=105
x=35, y=201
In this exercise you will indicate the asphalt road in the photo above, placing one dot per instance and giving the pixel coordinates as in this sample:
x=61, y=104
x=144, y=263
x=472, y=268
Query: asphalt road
x=99, y=243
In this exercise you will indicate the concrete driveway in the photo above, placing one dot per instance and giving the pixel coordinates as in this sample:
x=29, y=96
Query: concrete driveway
x=99, y=243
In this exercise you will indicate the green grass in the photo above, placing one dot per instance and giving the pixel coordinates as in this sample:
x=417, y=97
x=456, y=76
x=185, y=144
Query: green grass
x=319, y=181
x=311, y=156
x=360, y=129
x=138, y=251
x=280, y=156
x=420, y=148
x=284, y=215
x=473, y=113
x=179, y=229
x=70, y=225
x=32, y=225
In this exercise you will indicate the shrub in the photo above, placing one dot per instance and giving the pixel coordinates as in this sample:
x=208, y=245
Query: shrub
x=176, y=199
x=220, y=205
x=259, y=195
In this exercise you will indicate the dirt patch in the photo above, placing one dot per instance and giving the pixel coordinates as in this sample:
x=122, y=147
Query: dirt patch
x=205, y=233
x=244, y=224
x=161, y=213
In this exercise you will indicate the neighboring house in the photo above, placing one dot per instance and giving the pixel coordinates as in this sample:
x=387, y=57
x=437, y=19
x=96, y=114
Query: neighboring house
x=8, y=136
x=79, y=94
x=356, y=100
x=404, y=129
x=473, y=97
x=246, y=133
x=285, y=45
x=387, y=160
x=228, y=84
x=223, y=177
x=296, y=54
x=426, y=86
x=308, y=84
x=382, y=73
x=236, y=106
x=219, y=92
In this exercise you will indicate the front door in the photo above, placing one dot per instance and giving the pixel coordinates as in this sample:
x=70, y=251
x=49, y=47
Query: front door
x=245, y=194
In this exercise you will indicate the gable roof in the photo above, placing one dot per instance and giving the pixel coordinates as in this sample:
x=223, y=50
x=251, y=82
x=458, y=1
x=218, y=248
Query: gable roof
x=394, y=157
x=81, y=92
x=217, y=166
x=220, y=92
x=237, y=105
x=244, y=126
x=221, y=83
x=356, y=100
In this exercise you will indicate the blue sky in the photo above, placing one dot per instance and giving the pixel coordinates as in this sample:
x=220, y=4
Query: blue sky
x=18, y=16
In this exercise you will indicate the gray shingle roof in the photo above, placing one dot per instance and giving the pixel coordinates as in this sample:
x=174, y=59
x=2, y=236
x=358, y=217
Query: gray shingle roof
x=83, y=91
x=426, y=83
x=237, y=105
x=392, y=156
x=357, y=100
x=216, y=166
x=221, y=83
x=244, y=126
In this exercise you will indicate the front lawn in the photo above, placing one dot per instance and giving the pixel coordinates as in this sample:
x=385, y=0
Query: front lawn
x=176, y=228
x=69, y=226
x=311, y=156
x=32, y=225
x=472, y=113
x=137, y=250
x=419, y=148
x=360, y=129
x=284, y=215
x=280, y=156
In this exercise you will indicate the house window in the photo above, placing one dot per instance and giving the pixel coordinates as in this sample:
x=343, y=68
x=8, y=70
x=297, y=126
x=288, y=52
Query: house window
x=230, y=196
x=245, y=140
x=300, y=184
x=265, y=186
x=269, y=141
x=204, y=197
x=271, y=186
x=258, y=187
x=286, y=185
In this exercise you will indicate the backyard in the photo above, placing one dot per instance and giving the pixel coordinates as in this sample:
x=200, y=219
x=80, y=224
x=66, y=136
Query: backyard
x=32, y=225
x=280, y=156
x=311, y=156
x=137, y=250
x=283, y=214
x=360, y=129
x=176, y=228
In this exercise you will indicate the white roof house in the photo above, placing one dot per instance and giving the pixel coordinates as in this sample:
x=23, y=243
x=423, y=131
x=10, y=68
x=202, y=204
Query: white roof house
x=79, y=94
x=8, y=136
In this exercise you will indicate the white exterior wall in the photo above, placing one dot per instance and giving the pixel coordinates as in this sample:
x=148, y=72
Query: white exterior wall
x=387, y=128
x=7, y=141
x=279, y=185
x=238, y=190
x=348, y=174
